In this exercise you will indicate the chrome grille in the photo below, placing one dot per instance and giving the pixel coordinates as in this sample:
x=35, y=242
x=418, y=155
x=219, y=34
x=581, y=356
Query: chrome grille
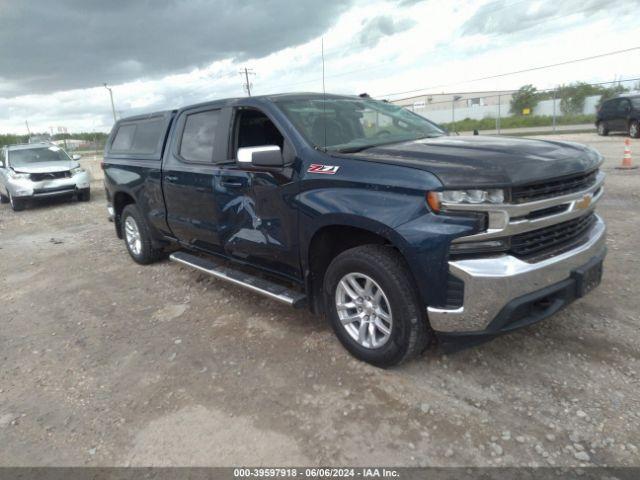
x=553, y=188
x=551, y=239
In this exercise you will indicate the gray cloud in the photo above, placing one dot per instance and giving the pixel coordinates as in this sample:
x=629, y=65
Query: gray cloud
x=503, y=17
x=375, y=29
x=50, y=46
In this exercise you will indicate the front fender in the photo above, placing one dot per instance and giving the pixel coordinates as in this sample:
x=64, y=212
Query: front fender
x=391, y=207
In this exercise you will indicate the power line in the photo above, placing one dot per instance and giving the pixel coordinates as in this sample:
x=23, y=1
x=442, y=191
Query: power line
x=373, y=43
x=542, y=67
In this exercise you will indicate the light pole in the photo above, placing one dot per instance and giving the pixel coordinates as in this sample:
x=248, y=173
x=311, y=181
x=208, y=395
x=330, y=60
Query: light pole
x=453, y=110
x=113, y=108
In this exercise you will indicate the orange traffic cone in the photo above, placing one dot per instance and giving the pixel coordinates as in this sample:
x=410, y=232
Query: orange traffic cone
x=626, y=158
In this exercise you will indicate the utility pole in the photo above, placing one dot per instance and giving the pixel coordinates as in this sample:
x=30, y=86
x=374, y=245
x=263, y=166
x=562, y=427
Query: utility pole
x=113, y=108
x=555, y=90
x=247, y=85
x=26, y=122
x=453, y=110
x=498, y=117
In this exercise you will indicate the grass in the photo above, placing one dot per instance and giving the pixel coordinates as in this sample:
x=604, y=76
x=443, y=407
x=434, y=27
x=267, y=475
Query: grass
x=469, y=124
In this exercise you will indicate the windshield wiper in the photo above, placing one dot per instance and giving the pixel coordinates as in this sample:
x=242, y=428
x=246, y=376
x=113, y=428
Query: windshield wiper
x=354, y=149
x=360, y=148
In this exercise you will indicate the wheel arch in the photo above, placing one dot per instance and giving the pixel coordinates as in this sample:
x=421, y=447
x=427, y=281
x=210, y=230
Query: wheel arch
x=120, y=200
x=335, y=236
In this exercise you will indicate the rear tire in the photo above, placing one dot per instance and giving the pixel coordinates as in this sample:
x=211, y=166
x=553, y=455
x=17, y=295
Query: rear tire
x=17, y=204
x=634, y=129
x=603, y=131
x=400, y=330
x=137, y=237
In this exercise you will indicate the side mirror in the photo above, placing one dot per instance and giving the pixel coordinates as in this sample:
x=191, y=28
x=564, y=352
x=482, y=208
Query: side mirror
x=264, y=156
x=76, y=157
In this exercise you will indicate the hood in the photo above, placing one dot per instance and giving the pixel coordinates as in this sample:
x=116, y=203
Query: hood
x=46, y=167
x=483, y=161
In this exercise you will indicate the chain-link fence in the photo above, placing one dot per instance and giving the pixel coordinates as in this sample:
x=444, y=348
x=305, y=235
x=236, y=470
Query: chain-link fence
x=566, y=107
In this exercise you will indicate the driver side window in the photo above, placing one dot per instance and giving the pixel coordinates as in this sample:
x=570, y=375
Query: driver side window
x=254, y=129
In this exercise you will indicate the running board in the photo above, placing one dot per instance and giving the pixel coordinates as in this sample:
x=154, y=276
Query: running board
x=259, y=285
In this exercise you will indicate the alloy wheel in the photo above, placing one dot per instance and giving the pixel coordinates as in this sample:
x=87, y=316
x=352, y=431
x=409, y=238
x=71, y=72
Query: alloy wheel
x=132, y=235
x=364, y=310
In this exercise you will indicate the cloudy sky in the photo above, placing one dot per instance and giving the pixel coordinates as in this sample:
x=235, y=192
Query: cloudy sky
x=159, y=54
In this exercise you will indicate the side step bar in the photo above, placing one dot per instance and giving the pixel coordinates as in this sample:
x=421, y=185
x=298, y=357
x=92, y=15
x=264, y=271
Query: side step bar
x=255, y=284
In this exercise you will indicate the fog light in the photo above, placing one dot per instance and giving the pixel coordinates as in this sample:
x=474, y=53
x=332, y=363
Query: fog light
x=480, y=247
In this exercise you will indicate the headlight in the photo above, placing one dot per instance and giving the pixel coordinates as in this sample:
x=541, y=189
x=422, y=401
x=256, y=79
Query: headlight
x=13, y=174
x=471, y=196
x=76, y=170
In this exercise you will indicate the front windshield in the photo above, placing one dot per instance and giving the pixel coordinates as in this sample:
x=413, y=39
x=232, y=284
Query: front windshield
x=354, y=124
x=29, y=156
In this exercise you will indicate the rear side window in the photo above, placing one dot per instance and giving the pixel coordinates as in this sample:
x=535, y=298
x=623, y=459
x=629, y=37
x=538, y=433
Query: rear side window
x=124, y=138
x=142, y=137
x=199, y=136
x=147, y=136
x=623, y=106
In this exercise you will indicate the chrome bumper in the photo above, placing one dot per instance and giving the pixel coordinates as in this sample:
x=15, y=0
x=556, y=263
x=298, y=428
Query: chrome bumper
x=491, y=283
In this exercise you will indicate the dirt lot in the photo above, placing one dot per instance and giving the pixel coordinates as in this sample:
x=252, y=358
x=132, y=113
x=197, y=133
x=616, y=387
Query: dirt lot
x=104, y=362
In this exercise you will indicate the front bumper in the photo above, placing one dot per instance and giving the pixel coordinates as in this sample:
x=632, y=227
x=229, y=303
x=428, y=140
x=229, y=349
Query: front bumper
x=493, y=283
x=26, y=188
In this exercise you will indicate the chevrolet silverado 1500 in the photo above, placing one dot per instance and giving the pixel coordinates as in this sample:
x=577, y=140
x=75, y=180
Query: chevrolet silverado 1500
x=364, y=212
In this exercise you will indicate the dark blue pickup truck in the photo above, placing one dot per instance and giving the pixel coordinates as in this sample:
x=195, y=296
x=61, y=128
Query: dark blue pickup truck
x=364, y=212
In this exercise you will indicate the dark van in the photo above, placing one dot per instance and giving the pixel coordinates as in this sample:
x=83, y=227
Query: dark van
x=620, y=114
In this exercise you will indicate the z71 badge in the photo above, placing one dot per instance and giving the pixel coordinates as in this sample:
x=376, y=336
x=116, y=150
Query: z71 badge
x=327, y=169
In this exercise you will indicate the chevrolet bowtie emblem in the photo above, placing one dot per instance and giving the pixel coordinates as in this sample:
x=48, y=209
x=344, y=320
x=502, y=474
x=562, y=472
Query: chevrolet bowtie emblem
x=584, y=202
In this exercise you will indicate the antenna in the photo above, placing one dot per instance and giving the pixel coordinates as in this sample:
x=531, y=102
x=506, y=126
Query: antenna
x=324, y=98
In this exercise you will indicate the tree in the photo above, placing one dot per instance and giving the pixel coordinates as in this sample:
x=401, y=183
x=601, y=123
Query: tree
x=527, y=96
x=572, y=96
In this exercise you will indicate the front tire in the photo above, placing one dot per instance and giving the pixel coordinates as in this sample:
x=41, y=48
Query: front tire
x=603, y=131
x=634, y=129
x=17, y=204
x=4, y=199
x=137, y=237
x=373, y=306
x=84, y=195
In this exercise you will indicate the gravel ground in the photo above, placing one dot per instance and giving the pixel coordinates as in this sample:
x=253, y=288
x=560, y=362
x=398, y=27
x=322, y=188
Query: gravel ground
x=105, y=362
